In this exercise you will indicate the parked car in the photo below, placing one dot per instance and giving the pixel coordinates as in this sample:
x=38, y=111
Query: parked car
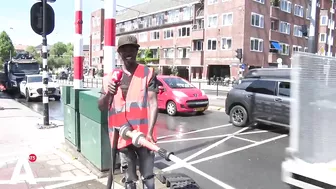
x=178, y=95
x=31, y=87
x=263, y=96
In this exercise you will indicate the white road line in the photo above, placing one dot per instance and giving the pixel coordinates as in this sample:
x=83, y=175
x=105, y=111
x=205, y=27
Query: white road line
x=191, y=139
x=205, y=149
x=53, y=179
x=245, y=139
x=253, y=132
x=196, y=131
x=230, y=152
x=194, y=169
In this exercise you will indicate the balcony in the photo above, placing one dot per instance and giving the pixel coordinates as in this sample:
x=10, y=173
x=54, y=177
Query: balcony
x=281, y=37
x=166, y=61
x=196, y=57
x=182, y=61
x=273, y=57
x=197, y=33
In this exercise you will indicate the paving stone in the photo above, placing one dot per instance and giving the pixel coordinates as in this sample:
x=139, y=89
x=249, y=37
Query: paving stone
x=48, y=172
x=53, y=157
x=66, y=167
x=78, y=172
x=14, y=186
x=78, y=165
x=67, y=174
x=55, y=162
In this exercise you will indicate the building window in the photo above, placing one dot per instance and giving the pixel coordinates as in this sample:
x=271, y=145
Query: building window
x=143, y=37
x=284, y=27
x=158, y=19
x=183, y=52
x=257, y=44
x=168, y=53
x=155, y=35
x=305, y=49
x=308, y=13
x=198, y=45
x=227, y=19
x=257, y=20
x=324, y=20
x=323, y=37
x=284, y=49
x=210, y=2
x=184, y=32
x=212, y=44
x=297, y=48
x=226, y=43
x=298, y=10
x=173, y=16
x=260, y=1
x=168, y=34
x=186, y=13
x=212, y=21
x=286, y=6
x=297, y=31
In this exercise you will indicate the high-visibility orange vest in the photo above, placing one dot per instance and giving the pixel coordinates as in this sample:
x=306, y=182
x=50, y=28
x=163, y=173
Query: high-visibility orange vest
x=134, y=110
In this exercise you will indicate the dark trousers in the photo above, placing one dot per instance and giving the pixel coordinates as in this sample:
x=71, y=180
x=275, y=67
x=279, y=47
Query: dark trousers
x=129, y=157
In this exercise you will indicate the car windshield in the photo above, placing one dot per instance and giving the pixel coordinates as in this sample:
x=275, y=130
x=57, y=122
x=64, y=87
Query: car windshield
x=37, y=79
x=24, y=67
x=177, y=83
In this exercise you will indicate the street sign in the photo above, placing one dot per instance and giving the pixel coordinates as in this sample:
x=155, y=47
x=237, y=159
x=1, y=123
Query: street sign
x=36, y=18
x=243, y=66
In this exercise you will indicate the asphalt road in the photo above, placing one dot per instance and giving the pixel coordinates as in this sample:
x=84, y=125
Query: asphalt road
x=243, y=158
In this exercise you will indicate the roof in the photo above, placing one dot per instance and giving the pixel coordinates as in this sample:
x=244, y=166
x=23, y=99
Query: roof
x=150, y=7
x=269, y=73
x=20, y=47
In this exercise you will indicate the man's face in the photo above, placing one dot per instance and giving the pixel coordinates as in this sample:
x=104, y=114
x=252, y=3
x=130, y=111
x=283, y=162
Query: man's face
x=128, y=54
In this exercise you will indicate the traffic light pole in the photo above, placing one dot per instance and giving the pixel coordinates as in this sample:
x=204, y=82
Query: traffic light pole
x=45, y=66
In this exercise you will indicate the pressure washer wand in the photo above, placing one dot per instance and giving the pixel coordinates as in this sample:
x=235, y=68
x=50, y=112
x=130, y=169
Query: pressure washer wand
x=114, y=151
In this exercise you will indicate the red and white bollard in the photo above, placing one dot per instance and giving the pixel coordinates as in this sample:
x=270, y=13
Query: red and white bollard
x=109, y=35
x=78, y=46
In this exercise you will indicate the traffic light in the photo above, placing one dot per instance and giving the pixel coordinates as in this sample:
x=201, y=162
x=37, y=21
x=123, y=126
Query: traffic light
x=239, y=54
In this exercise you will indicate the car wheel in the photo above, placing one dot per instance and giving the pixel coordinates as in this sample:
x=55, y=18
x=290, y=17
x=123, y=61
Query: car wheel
x=238, y=116
x=57, y=98
x=27, y=96
x=171, y=108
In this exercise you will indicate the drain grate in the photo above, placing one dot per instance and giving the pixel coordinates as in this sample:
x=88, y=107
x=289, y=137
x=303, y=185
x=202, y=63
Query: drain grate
x=177, y=181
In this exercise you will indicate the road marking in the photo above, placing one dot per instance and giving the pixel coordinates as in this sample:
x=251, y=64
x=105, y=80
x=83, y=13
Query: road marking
x=253, y=132
x=194, y=169
x=196, y=131
x=205, y=149
x=52, y=179
x=191, y=139
x=245, y=139
x=232, y=151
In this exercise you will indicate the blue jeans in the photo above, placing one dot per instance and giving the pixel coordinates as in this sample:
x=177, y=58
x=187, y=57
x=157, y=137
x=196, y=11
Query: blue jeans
x=129, y=157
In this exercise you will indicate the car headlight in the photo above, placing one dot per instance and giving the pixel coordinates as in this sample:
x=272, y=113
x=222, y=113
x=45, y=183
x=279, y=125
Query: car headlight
x=179, y=94
x=203, y=93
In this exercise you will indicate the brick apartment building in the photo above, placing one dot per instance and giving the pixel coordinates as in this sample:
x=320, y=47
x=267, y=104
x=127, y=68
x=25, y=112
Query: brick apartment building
x=202, y=36
x=97, y=38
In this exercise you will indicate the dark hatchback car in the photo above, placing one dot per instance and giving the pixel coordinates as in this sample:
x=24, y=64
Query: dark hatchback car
x=263, y=96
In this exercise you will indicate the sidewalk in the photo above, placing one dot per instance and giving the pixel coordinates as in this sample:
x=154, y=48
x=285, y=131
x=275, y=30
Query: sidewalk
x=54, y=167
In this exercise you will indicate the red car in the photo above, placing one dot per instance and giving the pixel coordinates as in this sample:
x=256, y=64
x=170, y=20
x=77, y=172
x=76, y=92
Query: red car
x=178, y=95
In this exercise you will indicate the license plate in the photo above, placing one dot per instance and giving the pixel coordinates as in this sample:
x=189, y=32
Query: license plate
x=199, y=109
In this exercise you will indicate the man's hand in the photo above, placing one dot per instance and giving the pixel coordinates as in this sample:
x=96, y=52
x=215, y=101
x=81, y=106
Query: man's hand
x=150, y=138
x=112, y=88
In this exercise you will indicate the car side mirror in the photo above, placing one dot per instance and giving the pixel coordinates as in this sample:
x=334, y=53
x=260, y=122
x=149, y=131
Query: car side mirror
x=161, y=89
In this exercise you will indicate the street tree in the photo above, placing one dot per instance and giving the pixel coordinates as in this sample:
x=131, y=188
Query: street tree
x=58, y=49
x=6, y=46
x=32, y=50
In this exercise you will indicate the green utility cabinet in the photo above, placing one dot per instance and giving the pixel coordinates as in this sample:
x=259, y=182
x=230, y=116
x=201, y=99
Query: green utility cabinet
x=95, y=145
x=74, y=97
x=71, y=128
x=88, y=106
x=65, y=95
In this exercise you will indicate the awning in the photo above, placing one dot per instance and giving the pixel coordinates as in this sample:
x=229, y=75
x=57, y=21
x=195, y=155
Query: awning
x=276, y=45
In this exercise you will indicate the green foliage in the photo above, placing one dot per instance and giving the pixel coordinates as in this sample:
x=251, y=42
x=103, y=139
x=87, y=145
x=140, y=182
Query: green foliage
x=148, y=57
x=275, y=3
x=58, y=49
x=6, y=46
x=31, y=50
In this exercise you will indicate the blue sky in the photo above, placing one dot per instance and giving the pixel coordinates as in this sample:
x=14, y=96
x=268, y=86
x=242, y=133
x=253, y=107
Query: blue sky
x=17, y=16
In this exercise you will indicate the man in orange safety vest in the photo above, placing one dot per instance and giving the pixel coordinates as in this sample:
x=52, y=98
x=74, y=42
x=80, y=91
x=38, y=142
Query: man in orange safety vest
x=132, y=102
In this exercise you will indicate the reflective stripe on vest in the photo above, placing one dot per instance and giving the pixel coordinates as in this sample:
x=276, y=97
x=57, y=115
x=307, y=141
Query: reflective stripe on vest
x=133, y=110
